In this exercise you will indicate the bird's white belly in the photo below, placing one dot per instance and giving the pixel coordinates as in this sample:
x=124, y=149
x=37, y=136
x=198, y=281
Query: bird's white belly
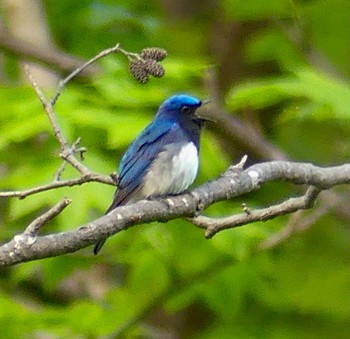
x=174, y=169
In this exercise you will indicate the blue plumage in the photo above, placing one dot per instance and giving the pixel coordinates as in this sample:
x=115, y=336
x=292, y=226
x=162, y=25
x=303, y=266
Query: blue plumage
x=163, y=159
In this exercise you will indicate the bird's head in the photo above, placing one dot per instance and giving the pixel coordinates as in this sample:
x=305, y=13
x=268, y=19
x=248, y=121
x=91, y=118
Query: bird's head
x=180, y=106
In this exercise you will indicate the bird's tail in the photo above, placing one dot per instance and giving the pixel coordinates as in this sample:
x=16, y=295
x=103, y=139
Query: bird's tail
x=99, y=245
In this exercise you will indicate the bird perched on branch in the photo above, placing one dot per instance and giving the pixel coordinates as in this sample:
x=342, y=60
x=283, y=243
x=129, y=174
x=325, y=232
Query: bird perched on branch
x=164, y=158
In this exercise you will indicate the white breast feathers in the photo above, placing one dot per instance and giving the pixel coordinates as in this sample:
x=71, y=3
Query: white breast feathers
x=174, y=169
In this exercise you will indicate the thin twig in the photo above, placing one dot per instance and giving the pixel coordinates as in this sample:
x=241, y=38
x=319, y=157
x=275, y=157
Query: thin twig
x=58, y=174
x=104, y=53
x=34, y=227
x=299, y=223
x=75, y=149
x=236, y=168
x=66, y=150
x=48, y=109
x=91, y=177
x=215, y=225
x=76, y=72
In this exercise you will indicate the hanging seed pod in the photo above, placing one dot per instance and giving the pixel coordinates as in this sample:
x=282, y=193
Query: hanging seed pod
x=137, y=69
x=152, y=67
x=154, y=53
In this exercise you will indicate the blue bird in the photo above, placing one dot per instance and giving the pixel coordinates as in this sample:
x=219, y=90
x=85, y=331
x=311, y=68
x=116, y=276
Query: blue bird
x=164, y=158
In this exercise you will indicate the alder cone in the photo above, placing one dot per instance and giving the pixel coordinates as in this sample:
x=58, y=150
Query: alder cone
x=137, y=69
x=154, y=53
x=152, y=67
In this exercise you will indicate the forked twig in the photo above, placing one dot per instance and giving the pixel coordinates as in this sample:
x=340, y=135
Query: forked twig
x=34, y=227
x=215, y=225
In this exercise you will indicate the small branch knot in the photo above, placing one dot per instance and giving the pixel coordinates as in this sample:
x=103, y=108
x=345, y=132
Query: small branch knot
x=236, y=169
x=246, y=209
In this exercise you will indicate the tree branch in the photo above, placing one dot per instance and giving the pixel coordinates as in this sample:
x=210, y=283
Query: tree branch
x=67, y=152
x=231, y=184
x=53, y=58
x=256, y=144
x=82, y=68
x=34, y=227
x=234, y=182
x=89, y=177
x=215, y=225
x=299, y=223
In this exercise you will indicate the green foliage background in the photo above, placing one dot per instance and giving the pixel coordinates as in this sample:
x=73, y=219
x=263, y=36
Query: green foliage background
x=291, y=69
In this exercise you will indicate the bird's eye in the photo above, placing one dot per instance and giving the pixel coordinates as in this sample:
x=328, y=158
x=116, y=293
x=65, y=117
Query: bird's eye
x=185, y=109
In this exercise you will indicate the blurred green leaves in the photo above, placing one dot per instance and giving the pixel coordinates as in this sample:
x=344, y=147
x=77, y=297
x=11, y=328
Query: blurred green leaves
x=257, y=9
x=304, y=87
x=154, y=276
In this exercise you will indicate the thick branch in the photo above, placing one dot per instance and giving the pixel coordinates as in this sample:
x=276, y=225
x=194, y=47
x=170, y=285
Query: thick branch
x=229, y=185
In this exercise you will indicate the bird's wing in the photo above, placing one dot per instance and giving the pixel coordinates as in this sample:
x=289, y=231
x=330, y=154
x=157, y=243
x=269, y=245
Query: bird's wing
x=139, y=156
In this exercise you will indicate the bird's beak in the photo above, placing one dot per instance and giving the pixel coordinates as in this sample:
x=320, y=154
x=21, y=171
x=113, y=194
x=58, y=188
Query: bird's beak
x=203, y=117
x=205, y=102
